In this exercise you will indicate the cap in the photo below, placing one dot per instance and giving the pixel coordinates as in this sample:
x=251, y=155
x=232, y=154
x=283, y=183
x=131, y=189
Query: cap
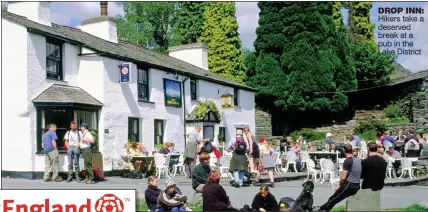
x=84, y=125
x=169, y=183
x=329, y=135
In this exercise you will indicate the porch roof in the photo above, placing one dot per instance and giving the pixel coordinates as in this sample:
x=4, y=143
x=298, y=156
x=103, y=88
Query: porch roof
x=209, y=117
x=66, y=94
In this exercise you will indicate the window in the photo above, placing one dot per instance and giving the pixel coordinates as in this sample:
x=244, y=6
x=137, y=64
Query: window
x=209, y=132
x=89, y=117
x=158, y=132
x=143, y=84
x=222, y=134
x=133, y=129
x=235, y=97
x=53, y=60
x=193, y=92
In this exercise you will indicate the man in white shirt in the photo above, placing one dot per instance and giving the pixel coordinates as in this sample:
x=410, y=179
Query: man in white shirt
x=71, y=139
x=85, y=146
x=194, y=141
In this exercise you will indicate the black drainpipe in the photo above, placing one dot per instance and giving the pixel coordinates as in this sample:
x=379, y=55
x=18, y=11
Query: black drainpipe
x=184, y=109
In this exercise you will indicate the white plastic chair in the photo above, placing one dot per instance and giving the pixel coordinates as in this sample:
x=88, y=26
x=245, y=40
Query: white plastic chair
x=291, y=158
x=406, y=165
x=362, y=154
x=213, y=161
x=310, y=164
x=390, y=173
x=160, y=162
x=179, y=167
x=224, y=167
x=304, y=157
x=327, y=169
x=278, y=163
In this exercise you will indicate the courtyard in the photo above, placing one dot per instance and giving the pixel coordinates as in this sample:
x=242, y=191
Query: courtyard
x=391, y=197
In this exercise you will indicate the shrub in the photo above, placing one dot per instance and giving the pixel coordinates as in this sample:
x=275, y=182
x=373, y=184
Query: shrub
x=374, y=126
x=309, y=134
x=392, y=111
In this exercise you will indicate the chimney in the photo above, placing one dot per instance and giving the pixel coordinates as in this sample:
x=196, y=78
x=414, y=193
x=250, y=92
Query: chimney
x=103, y=26
x=39, y=12
x=194, y=53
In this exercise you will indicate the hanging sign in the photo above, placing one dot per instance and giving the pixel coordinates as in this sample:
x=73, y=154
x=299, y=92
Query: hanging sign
x=125, y=73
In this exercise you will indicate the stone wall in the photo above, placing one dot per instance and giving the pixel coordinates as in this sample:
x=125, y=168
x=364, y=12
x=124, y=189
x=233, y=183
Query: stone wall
x=263, y=124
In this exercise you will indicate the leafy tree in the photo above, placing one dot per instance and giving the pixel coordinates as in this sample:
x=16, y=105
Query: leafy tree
x=303, y=61
x=337, y=14
x=361, y=30
x=150, y=23
x=220, y=33
x=190, y=21
x=249, y=58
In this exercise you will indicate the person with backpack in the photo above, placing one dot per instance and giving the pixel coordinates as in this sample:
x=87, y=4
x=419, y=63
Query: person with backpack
x=71, y=139
x=194, y=139
x=239, y=161
x=85, y=145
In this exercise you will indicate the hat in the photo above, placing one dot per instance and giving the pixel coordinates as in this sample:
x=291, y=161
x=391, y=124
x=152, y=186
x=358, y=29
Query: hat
x=84, y=125
x=169, y=183
x=238, y=132
x=329, y=135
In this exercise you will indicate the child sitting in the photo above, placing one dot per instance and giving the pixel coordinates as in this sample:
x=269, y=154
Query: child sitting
x=171, y=199
x=264, y=200
x=152, y=192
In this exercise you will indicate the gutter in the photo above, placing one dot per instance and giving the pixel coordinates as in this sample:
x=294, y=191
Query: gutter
x=183, y=83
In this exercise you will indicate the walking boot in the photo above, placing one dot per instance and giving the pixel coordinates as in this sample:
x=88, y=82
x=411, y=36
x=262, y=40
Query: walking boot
x=77, y=175
x=256, y=183
x=86, y=178
x=272, y=184
x=70, y=174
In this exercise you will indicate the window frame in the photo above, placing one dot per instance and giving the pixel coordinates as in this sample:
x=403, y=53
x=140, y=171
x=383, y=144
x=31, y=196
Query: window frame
x=162, y=130
x=70, y=108
x=141, y=84
x=193, y=93
x=236, y=96
x=131, y=131
x=59, y=75
x=222, y=132
x=207, y=136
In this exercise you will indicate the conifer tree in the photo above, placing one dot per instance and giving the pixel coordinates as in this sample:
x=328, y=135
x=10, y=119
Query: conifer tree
x=190, y=21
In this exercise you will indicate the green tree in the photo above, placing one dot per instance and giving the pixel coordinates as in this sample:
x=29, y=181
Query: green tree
x=303, y=62
x=150, y=23
x=337, y=14
x=190, y=21
x=220, y=33
x=249, y=58
x=361, y=30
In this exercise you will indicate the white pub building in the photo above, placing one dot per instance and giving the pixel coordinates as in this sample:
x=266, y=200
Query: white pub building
x=125, y=92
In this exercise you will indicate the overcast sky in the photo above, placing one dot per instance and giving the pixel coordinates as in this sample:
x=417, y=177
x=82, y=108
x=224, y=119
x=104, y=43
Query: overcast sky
x=247, y=13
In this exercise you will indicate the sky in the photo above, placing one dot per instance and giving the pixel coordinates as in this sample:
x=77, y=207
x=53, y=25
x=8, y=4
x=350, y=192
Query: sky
x=247, y=13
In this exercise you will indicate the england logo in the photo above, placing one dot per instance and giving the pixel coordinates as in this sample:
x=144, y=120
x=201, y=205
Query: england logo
x=109, y=203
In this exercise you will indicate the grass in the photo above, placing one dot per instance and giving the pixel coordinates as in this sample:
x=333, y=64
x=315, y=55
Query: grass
x=393, y=121
x=142, y=207
x=414, y=207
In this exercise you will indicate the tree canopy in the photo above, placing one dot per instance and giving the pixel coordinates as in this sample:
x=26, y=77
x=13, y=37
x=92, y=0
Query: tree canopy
x=190, y=21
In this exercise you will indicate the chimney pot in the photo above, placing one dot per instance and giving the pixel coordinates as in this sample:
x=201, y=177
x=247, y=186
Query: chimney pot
x=103, y=5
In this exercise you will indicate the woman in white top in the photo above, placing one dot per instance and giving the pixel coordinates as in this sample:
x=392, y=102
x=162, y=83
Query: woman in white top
x=266, y=162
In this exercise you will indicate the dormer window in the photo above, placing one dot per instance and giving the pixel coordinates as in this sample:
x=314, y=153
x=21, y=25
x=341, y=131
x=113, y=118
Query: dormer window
x=54, y=60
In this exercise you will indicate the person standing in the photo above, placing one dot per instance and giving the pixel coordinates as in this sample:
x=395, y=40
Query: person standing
x=85, y=145
x=51, y=154
x=349, y=180
x=189, y=154
x=254, y=149
x=266, y=162
x=71, y=139
x=373, y=169
x=239, y=162
x=354, y=140
x=283, y=144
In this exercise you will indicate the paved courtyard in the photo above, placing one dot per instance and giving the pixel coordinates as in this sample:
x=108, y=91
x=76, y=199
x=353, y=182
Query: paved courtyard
x=390, y=196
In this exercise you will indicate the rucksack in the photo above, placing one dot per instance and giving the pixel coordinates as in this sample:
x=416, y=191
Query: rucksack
x=240, y=145
x=98, y=175
x=207, y=147
x=286, y=202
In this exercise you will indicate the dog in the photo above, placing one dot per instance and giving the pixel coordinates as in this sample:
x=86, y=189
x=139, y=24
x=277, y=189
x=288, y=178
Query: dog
x=305, y=200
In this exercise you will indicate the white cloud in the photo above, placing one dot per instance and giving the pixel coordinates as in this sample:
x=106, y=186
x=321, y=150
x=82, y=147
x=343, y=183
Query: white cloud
x=65, y=12
x=247, y=14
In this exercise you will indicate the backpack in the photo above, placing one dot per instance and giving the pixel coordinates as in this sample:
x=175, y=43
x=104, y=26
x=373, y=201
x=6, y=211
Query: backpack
x=286, y=202
x=207, y=147
x=98, y=175
x=240, y=145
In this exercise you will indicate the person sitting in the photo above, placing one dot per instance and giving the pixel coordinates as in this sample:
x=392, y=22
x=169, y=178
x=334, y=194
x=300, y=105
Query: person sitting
x=126, y=157
x=165, y=149
x=275, y=148
x=311, y=147
x=393, y=153
x=152, y=192
x=354, y=140
x=172, y=148
x=264, y=200
x=214, y=197
x=200, y=174
x=170, y=199
x=135, y=149
x=388, y=141
x=381, y=152
x=296, y=147
x=328, y=139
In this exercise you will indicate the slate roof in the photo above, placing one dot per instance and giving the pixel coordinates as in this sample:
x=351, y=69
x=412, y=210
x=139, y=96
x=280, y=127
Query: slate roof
x=410, y=77
x=122, y=50
x=66, y=94
x=192, y=116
